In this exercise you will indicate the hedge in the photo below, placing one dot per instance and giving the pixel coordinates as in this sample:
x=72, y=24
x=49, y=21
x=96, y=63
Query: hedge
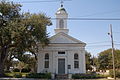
x=39, y=75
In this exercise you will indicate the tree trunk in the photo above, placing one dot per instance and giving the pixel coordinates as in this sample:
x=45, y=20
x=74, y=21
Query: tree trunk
x=3, y=56
x=32, y=70
x=8, y=68
x=1, y=69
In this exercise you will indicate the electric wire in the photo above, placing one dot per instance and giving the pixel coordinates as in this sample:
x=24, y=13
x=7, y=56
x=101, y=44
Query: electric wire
x=99, y=42
x=105, y=19
x=101, y=13
x=102, y=45
x=84, y=19
x=39, y=1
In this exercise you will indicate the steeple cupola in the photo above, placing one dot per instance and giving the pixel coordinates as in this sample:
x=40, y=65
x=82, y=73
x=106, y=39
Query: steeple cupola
x=61, y=20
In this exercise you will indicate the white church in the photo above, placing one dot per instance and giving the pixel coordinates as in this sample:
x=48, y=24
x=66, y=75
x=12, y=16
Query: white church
x=64, y=54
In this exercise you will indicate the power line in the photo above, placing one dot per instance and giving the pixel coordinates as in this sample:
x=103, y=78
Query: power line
x=105, y=19
x=102, y=42
x=116, y=32
x=98, y=42
x=83, y=19
x=41, y=1
x=101, y=13
x=101, y=45
x=36, y=1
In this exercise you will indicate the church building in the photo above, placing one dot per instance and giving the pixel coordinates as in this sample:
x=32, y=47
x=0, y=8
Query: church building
x=64, y=54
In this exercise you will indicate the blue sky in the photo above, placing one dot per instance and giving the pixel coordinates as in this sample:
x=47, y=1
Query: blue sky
x=94, y=33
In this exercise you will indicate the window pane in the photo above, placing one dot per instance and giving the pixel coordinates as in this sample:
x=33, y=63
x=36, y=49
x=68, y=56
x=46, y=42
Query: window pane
x=69, y=66
x=46, y=64
x=76, y=64
x=75, y=56
x=61, y=52
x=47, y=56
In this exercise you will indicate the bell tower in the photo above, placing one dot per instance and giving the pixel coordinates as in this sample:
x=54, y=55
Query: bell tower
x=61, y=20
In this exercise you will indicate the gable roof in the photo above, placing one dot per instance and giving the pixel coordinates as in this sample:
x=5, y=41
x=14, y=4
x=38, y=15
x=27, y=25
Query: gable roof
x=64, y=38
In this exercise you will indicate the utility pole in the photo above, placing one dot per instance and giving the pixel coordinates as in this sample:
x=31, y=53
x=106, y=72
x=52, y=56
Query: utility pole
x=113, y=58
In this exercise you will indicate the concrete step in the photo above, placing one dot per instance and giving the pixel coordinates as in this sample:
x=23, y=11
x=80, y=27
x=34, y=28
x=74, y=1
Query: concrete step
x=62, y=76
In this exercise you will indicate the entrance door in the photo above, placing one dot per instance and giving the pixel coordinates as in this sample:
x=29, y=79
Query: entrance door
x=61, y=66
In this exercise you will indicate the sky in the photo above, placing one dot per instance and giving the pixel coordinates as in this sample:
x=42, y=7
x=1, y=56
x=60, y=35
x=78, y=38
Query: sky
x=93, y=32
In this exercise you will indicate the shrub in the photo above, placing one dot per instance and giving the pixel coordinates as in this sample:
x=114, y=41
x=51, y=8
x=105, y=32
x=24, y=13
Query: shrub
x=48, y=75
x=16, y=70
x=17, y=75
x=7, y=71
x=39, y=75
x=24, y=70
x=86, y=76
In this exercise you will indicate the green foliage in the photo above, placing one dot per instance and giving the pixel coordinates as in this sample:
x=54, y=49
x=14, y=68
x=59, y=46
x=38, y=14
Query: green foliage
x=25, y=70
x=30, y=61
x=87, y=76
x=7, y=71
x=105, y=59
x=117, y=72
x=88, y=60
x=16, y=70
x=20, y=33
x=39, y=75
x=117, y=59
x=21, y=65
x=17, y=75
x=95, y=62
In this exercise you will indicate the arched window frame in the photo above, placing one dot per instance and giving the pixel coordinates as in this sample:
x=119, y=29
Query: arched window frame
x=75, y=56
x=46, y=56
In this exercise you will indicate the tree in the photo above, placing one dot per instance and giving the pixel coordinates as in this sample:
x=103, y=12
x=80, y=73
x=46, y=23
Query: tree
x=21, y=65
x=30, y=61
x=117, y=59
x=105, y=59
x=94, y=62
x=8, y=64
x=88, y=61
x=20, y=32
x=32, y=64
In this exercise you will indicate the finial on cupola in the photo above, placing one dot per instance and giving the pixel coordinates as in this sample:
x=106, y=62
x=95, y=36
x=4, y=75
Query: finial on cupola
x=61, y=3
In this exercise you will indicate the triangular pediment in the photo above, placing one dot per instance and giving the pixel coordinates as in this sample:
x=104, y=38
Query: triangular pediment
x=64, y=38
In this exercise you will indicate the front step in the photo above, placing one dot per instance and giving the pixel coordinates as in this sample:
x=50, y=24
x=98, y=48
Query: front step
x=62, y=76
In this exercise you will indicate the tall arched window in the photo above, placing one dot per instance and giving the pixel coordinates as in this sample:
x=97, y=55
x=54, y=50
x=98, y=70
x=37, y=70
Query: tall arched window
x=46, y=56
x=61, y=23
x=76, y=60
x=75, y=56
x=46, y=60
